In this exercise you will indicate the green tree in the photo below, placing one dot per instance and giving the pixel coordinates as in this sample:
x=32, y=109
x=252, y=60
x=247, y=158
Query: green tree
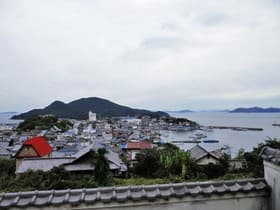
x=164, y=162
x=7, y=167
x=101, y=166
x=176, y=162
x=148, y=163
x=253, y=160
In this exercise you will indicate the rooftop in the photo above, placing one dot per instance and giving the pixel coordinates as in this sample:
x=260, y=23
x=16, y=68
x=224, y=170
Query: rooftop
x=139, y=145
x=271, y=155
x=40, y=145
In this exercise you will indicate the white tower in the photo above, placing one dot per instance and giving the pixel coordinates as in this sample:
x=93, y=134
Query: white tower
x=91, y=116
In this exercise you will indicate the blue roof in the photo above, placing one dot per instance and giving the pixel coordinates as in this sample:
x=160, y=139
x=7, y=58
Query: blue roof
x=123, y=145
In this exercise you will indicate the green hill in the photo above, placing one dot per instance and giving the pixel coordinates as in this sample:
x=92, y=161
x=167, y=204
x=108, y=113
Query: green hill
x=79, y=109
x=256, y=110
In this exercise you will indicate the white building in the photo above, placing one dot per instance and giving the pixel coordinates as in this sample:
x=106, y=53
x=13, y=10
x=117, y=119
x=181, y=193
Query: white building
x=91, y=116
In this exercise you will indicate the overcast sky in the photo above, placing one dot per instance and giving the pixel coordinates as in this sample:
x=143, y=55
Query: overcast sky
x=154, y=54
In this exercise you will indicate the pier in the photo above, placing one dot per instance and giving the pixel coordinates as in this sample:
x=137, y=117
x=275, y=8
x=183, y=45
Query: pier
x=236, y=128
x=186, y=141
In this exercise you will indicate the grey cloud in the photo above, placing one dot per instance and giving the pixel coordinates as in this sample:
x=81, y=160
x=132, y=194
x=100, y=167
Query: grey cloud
x=213, y=19
x=67, y=49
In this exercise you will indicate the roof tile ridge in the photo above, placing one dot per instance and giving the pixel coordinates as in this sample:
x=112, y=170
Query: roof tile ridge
x=15, y=201
x=83, y=195
x=50, y=198
x=67, y=196
x=34, y=197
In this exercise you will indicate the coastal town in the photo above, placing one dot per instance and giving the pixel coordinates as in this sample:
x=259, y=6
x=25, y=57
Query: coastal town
x=139, y=105
x=123, y=138
x=51, y=153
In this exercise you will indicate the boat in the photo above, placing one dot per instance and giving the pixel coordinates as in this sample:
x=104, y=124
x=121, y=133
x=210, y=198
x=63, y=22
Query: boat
x=200, y=135
x=182, y=128
x=211, y=141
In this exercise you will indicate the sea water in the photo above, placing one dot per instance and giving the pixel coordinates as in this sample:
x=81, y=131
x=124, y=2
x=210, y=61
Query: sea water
x=231, y=138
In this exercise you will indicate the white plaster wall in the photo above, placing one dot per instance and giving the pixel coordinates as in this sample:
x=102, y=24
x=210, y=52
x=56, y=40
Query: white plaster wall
x=205, y=161
x=272, y=177
x=240, y=201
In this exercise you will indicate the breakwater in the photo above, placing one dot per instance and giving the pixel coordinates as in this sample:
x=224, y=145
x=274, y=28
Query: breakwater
x=236, y=128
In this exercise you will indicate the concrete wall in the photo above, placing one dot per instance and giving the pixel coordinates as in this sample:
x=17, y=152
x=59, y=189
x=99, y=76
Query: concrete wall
x=238, y=201
x=272, y=177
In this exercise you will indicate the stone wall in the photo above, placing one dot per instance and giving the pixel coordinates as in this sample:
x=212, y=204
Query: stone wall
x=272, y=177
x=271, y=161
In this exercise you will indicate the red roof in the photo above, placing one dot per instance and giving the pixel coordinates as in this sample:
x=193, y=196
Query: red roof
x=139, y=145
x=40, y=145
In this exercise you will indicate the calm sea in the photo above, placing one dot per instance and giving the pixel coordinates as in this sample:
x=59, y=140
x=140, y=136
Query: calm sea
x=5, y=117
x=234, y=139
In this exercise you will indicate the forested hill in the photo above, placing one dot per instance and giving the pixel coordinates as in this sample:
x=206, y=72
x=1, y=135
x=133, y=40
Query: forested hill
x=255, y=110
x=79, y=109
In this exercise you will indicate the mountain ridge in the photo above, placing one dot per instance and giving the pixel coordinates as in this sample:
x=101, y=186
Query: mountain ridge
x=255, y=109
x=78, y=109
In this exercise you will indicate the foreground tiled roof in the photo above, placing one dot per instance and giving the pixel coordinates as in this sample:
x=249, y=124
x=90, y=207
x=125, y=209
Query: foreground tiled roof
x=271, y=155
x=129, y=193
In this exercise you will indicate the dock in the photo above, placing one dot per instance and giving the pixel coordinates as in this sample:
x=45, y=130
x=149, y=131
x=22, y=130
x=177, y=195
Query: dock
x=187, y=141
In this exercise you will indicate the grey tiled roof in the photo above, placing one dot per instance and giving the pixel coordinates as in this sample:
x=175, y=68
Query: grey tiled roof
x=129, y=193
x=44, y=164
x=198, y=152
x=4, y=152
x=271, y=155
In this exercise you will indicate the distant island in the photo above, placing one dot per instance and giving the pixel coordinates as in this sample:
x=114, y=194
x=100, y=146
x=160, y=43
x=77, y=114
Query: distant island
x=80, y=108
x=255, y=110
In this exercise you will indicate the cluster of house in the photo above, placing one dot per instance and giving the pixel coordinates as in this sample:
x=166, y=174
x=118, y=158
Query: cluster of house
x=37, y=154
x=46, y=149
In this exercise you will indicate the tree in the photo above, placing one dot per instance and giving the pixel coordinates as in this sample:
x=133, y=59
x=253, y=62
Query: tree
x=254, y=161
x=101, y=166
x=176, y=162
x=148, y=163
x=7, y=167
x=164, y=162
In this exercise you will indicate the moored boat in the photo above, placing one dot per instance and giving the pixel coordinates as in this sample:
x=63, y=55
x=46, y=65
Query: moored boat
x=211, y=141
